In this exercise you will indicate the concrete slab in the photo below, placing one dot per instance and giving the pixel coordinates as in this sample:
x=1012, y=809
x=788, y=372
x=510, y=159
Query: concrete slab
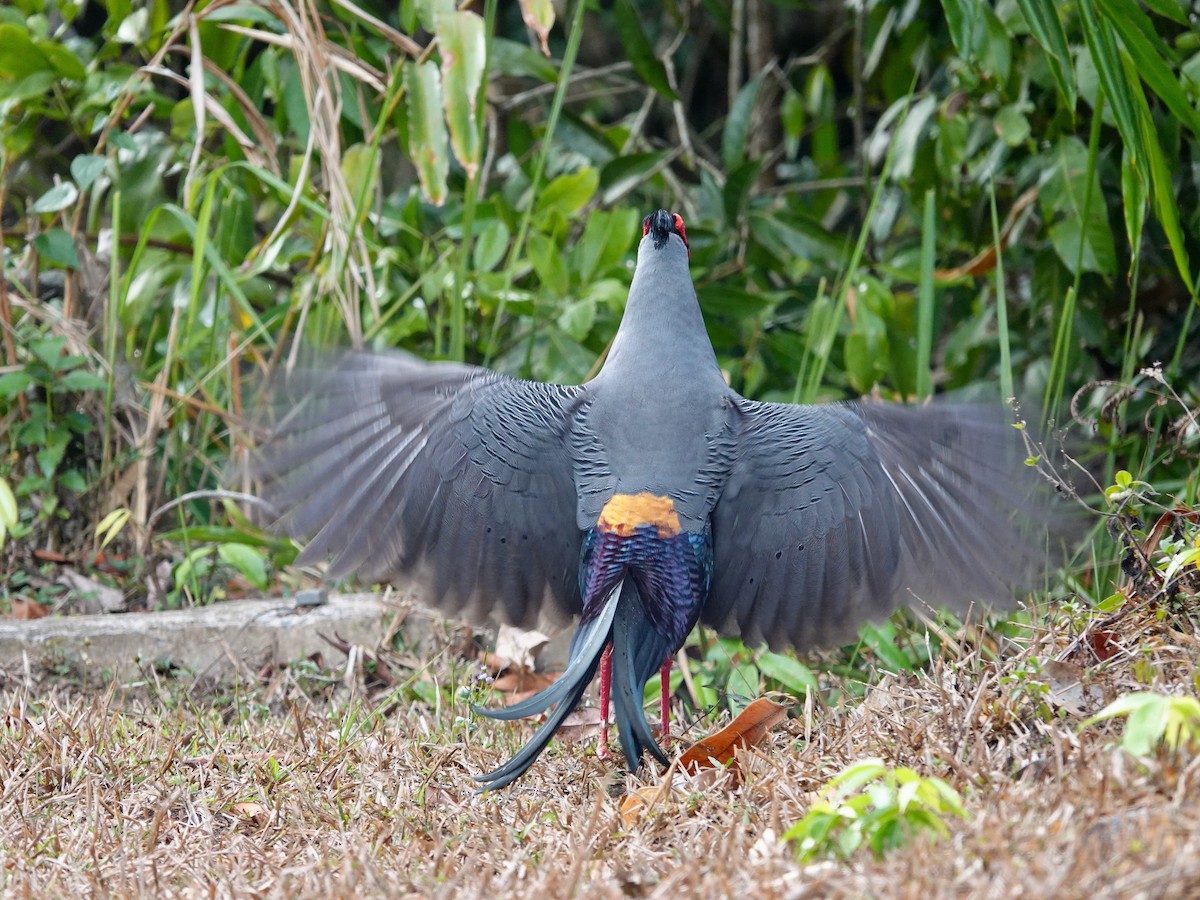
x=210, y=640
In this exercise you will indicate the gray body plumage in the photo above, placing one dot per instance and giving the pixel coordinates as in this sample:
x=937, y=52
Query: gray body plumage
x=483, y=486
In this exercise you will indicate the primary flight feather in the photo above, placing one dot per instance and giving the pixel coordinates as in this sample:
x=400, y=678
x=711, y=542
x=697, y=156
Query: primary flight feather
x=646, y=500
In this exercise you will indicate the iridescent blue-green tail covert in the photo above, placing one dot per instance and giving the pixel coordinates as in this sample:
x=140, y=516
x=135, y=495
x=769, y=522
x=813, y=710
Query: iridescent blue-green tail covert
x=647, y=500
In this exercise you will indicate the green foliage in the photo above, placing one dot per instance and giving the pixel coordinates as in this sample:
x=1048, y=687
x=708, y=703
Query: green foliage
x=1153, y=719
x=46, y=440
x=986, y=195
x=871, y=804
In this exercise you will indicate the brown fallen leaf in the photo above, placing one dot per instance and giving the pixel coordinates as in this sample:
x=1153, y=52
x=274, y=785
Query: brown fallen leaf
x=747, y=730
x=520, y=684
x=27, y=609
x=249, y=811
x=582, y=723
x=641, y=800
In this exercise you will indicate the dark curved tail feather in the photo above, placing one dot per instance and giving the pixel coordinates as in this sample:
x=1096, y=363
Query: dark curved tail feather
x=639, y=651
x=587, y=646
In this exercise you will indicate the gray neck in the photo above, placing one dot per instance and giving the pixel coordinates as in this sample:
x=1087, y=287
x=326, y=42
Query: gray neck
x=662, y=333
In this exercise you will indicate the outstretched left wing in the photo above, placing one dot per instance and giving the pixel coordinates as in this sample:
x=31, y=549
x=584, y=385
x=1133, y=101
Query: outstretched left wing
x=840, y=513
x=451, y=474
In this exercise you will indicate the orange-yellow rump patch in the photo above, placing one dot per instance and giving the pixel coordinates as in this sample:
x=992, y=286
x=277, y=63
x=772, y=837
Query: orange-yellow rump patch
x=626, y=512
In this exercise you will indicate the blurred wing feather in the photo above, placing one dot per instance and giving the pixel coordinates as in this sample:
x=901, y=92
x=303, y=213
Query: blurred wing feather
x=455, y=475
x=840, y=513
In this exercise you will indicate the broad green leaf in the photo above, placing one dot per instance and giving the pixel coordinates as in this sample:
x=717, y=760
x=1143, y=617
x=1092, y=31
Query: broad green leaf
x=79, y=380
x=464, y=53
x=567, y=194
x=606, y=238
x=547, y=261
x=1063, y=196
x=1011, y=125
x=65, y=62
x=1045, y=24
x=738, y=123
x=20, y=57
x=57, y=198
x=521, y=61
x=428, y=143
x=490, y=245
x=14, y=383
x=792, y=674
x=429, y=11
x=577, y=318
x=55, y=246
x=360, y=169
x=246, y=560
x=639, y=50
x=820, y=99
x=908, y=135
x=27, y=88
x=1175, y=10
x=86, y=168
x=623, y=174
x=52, y=452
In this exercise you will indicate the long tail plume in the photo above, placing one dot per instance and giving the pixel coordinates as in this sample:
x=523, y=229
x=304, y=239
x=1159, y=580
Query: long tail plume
x=639, y=651
x=586, y=648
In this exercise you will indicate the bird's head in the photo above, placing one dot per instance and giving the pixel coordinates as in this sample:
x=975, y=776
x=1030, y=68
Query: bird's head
x=660, y=225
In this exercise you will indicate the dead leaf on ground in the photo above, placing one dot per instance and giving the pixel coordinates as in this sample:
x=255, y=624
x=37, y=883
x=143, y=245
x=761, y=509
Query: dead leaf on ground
x=520, y=647
x=90, y=595
x=746, y=731
x=641, y=800
x=27, y=609
x=522, y=684
x=582, y=723
x=252, y=812
x=517, y=682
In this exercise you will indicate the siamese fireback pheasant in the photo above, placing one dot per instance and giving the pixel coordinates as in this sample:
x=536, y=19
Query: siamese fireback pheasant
x=646, y=500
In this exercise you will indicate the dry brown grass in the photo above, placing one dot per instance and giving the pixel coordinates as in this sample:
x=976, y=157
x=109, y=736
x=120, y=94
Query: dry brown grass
x=290, y=787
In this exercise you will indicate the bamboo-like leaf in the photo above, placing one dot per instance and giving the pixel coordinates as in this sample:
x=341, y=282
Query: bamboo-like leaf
x=1122, y=87
x=1161, y=184
x=639, y=49
x=464, y=52
x=1046, y=26
x=1102, y=47
x=980, y=37
x=737, y=124
x=1146, y=49
x=428, y=143
x=1133, y=195
x=1170, y=9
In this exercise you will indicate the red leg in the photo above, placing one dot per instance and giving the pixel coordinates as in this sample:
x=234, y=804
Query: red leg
x=605, y=699
x=665, y=675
